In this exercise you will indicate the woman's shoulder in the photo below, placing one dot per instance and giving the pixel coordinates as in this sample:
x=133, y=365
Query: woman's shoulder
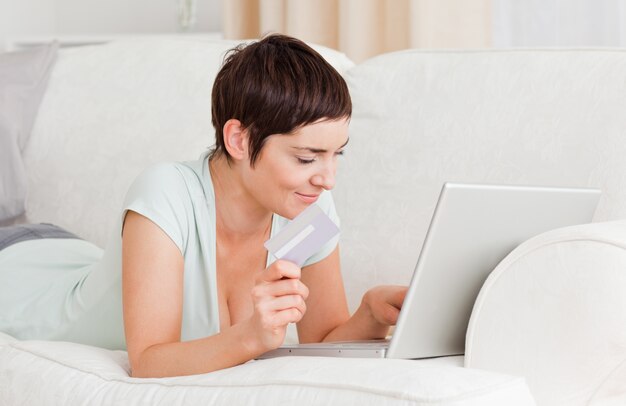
x=163, y=172
x=171, y=196
x=166, y=184
x=168, y=177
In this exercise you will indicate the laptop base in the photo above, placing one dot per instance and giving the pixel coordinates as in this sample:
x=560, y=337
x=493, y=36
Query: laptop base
x=363, y=349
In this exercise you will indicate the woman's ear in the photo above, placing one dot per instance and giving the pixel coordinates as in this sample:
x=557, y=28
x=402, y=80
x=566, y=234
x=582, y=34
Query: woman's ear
x=235, y=139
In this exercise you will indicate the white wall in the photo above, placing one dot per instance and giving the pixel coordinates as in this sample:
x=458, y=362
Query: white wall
x=35, y=18
x=137, y=16
x=26, y=17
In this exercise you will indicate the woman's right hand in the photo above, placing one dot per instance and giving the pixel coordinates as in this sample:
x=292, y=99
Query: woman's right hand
x=279, y=299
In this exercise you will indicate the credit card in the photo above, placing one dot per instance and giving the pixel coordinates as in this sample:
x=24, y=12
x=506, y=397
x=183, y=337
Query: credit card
x=303, y=236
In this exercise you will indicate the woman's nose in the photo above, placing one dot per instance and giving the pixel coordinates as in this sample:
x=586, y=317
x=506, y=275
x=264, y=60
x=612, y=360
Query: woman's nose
x=325, y=178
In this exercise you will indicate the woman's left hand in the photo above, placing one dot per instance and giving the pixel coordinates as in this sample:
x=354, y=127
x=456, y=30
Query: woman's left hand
x=383, y=304
x=379, y=310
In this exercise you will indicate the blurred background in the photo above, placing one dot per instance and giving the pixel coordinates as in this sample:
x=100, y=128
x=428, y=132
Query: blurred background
x=359, y=28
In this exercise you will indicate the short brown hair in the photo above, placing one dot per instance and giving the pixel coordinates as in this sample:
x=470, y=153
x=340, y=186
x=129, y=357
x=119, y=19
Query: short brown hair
x=275, y=86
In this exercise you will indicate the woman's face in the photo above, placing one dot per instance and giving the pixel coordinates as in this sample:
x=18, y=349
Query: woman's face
x=292, y=170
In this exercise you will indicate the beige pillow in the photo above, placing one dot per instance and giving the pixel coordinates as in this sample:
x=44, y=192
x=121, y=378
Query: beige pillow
x=23, y=79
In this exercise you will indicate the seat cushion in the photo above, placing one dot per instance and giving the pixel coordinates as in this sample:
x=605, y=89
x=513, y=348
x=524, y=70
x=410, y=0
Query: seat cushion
x=60, y=373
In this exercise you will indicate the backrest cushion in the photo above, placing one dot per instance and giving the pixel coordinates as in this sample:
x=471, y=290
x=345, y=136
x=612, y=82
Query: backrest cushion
x=23, y=79
x=529, y=117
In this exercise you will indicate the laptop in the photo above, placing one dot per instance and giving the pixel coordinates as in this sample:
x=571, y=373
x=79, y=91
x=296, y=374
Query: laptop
x=472, y=229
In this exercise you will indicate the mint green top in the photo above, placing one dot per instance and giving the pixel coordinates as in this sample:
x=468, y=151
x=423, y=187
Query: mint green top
x=70, y=290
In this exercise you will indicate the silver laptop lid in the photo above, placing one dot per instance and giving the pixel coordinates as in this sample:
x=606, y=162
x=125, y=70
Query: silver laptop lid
x=473, y=228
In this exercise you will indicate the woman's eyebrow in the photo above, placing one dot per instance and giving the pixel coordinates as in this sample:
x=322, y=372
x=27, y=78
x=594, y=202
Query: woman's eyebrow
x=318, y=150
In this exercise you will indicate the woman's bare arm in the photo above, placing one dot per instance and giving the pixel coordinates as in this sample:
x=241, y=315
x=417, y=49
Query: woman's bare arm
x=153, y=298
x=328, y=318
x=327, y=307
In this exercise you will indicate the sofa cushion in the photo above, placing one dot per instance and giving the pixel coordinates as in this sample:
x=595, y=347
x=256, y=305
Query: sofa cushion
x=23, y=79
x=58, y=373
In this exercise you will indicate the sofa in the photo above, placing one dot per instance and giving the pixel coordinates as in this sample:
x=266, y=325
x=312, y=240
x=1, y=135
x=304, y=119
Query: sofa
x=548, y=325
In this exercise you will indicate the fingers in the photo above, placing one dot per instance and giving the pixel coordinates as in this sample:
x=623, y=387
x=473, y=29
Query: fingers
x=279, y=299
x=280, y=311
x=281, y=287
x=291, y=315
x=389, y=314
x=396, y=297
x=282, y=303
x=279, y=295
x=279, y=279
x=385, y=303
x=280, y=319
x=279, y=270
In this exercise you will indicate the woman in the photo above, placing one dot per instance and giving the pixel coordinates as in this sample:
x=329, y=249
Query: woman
x=198, y=291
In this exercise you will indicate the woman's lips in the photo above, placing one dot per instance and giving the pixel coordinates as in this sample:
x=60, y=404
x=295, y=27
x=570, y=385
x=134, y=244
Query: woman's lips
x=307, y=198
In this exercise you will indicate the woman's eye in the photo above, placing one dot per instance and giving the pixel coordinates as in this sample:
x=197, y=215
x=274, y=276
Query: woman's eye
x=306, y=161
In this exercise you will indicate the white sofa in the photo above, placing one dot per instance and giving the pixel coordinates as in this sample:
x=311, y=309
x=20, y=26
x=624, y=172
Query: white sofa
x=547, y=327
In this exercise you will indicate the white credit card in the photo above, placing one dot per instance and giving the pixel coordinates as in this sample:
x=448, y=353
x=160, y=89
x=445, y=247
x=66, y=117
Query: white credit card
x=303, y=236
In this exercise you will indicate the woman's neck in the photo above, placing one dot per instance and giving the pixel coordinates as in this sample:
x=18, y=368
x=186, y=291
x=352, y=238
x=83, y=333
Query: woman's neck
x=238, y=214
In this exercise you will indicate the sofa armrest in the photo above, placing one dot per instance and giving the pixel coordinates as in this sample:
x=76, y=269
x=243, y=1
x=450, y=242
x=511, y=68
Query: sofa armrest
x=554, y=311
